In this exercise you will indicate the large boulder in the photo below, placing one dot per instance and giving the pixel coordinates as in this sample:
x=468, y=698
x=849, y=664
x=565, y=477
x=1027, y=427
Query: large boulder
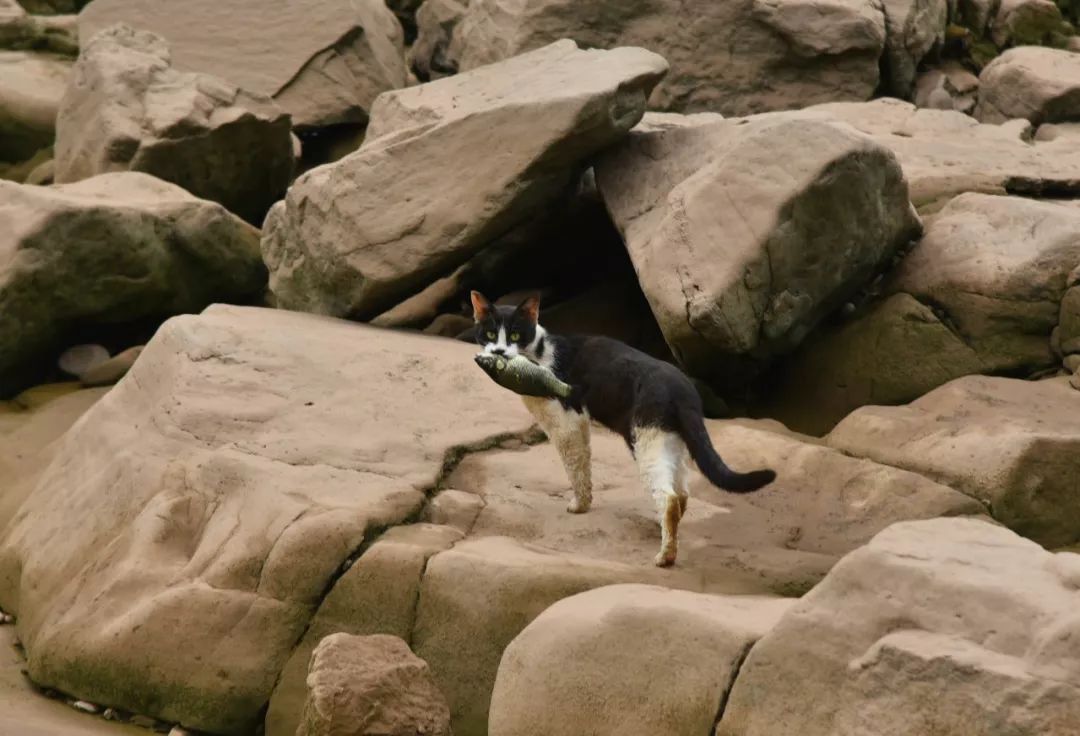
x=1012, y=444
x=323, y=61
x=1038, y=84
x=980, y=293
x=371, y=686
x=949, y=626
x=127, y=108
x=355, y=237
x=111, y=249
x=945, y=153
x=627, y=659
x=735, y=57
x=31, y=86
x=176, y=549
x=809, y=211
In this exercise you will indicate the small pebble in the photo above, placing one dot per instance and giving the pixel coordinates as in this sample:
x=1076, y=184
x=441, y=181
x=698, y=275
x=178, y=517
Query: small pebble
x=85, y=707
x=78, y=359
x=6, y=618
x=143, y=721
x=178, y=731
x=110, y=715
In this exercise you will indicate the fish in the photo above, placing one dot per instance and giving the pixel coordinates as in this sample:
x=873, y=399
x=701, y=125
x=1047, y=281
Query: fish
x=522, y=376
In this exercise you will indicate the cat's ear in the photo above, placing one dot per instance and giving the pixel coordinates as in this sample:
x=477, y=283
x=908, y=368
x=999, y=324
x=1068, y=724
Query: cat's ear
x=481, y=307
x=530, y=308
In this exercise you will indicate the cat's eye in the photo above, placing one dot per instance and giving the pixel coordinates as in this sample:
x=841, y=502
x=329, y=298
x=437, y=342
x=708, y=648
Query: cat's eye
x=515, y=336
x=490, y=335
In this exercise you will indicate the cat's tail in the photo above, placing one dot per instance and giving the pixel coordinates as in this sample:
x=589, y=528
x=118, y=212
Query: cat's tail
x=693, y=433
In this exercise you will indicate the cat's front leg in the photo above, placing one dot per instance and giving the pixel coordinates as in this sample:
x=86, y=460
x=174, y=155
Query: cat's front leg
x=568, y=430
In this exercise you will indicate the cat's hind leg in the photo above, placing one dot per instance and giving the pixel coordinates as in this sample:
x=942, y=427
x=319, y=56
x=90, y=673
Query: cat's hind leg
x=659, y=455
x=568, y=430
x=682, y=479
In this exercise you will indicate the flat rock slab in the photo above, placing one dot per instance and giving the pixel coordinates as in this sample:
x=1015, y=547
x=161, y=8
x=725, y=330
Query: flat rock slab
x=172, y=554
x=1015, y=445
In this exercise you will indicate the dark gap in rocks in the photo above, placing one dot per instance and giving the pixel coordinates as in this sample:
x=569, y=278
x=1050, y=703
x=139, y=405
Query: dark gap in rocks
x=325, y=145
x=724, y=696
x=1037, y=188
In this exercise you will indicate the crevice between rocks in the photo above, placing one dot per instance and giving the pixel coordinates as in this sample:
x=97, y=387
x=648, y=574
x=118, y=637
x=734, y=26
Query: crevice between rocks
x=724, y=696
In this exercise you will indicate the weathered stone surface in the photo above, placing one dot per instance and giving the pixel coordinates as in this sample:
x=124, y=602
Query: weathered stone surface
x=31, y=86
x=914, y=29
x=371, y=686
x=584, y=664
x=945, y=153
x=946, y=626
x=113, y=369
x=1069, y=319
x=948, y=87
x=78, y=359
x=811, y=212
x=116, y=248
x=1013, y=444
x=323, y=61
x=376, y=595
x=735, y=57
x=355, y=237
x=1027, y=22
x=174, y=552
x=127, y=108
x=19, y=30
x=435, y=22
x=1038, y=84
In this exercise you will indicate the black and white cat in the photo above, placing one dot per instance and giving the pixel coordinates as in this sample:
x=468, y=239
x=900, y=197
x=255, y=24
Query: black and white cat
x=649, y=402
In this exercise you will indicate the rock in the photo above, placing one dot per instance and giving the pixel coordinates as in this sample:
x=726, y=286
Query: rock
x=355, y=237
x=583, y=664
x=405, y=11
x=323, y=61
x=78, y=359
x=735, y=58
x=1038, y=84
x=945, y=626
x=449, y=325
x=83, y=706
x=113, y=369
x=1015, y=445
x=456, y=509
x=1069, y=318
x=20, y=31
x=949, y=87
x=371, y=686
x=126, y=108
x=116, y=248
x=21, y=172
x=779, y=542
x=31, y=86
x=996, y=268
x=914, y=29
x=376, y=595
x=52, y=7
x=43, y=174
x=1071, y=363
x=893, y=352
x=944, y=154
x=812, y=211
x=1023, y=22
x=435, y=21
x=239, y=477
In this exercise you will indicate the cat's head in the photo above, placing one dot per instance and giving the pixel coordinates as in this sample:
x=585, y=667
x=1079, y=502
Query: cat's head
x=505, y=330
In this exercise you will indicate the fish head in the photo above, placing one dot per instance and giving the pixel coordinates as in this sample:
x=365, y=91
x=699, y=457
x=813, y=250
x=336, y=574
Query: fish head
x=493, y=365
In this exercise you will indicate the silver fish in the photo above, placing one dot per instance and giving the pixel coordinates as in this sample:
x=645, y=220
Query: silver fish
x=522, y=376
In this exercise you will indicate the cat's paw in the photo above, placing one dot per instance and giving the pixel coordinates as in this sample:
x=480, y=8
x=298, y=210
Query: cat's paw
x=578, y=506
x=666, y=558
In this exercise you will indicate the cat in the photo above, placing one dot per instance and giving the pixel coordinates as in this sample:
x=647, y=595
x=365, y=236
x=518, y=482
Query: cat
x=652, y=404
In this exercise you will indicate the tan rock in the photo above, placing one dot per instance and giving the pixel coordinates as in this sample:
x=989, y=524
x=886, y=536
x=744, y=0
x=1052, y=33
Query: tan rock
x=323, y=61
x=371, y=686
x=1038, y=84
x=949, y=626
x=945, y=153
x=197, y=516
x=117, y=247
x=376, y=595
x=357, y=236
x=21, y=31
x=914, y=29
x=1069, y=318
x=812, y=211
x=584, y=664
x=780, y=540
x=457, y=509
x=735, y=58
x=78, y=359
x=43, y=173
x=1024, y=22
x=435, y=22
x=31, y=86
x=948, y=87
x=113, y=369
x=1015, y=445
x=127, y=109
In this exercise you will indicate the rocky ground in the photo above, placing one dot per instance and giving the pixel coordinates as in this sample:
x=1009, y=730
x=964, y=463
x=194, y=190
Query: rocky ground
x=251, y=481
